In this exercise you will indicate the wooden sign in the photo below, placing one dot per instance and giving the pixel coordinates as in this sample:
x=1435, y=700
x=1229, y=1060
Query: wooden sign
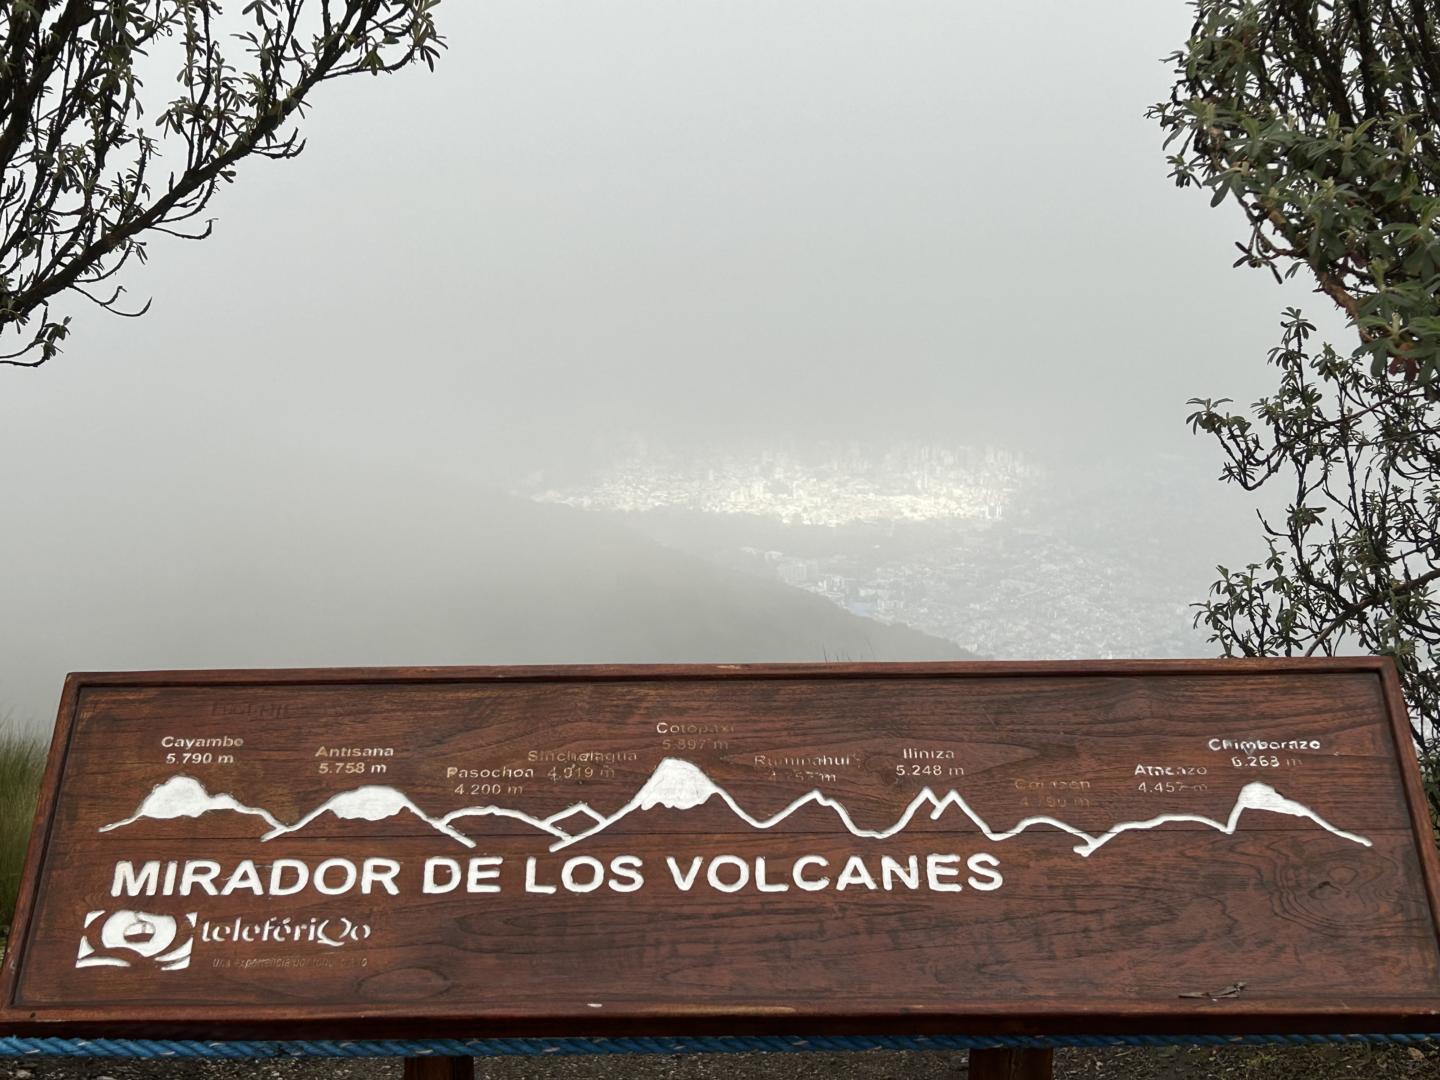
x=966, y=848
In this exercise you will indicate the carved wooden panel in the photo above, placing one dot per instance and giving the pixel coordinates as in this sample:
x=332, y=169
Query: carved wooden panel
x=961, y=847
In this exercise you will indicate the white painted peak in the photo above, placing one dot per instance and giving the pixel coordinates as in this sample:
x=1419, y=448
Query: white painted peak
x=186, y=797
x=1258, y=796
x=180, y=796
x=677, y=784
x=370, y=803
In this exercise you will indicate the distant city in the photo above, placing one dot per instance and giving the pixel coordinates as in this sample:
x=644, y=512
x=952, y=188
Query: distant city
x=851, y=485
x=1001, y=555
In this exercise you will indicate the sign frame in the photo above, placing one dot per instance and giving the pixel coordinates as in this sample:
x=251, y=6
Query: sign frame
x=807, y=1017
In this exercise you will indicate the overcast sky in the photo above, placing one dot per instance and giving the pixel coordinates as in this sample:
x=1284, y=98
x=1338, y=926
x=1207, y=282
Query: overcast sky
x=717, y=218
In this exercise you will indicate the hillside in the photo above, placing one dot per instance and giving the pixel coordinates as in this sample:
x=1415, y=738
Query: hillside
x=551, y=584
x=408, y=574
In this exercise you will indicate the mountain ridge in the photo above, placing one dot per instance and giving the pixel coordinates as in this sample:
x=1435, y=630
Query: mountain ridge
x=679, y=784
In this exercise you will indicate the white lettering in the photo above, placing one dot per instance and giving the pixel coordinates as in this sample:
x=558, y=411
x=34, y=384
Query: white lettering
x=762, y=884
x=741, y=866
x=483, y=870
x=128, y=883
x=432, y=883
x=277, y=876
x=684, y=882
x=199, y=873
x=589, y=862
x=908, y=873
x=854, y=873
x=244, y=877
x=809, y=884
x=380, y=872
x=989, y=867
x=531, y=885
x=628, y=868
x=348, y=874
x=938, y=866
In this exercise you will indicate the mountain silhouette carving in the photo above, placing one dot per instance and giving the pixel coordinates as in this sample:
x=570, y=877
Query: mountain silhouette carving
x=680, y=785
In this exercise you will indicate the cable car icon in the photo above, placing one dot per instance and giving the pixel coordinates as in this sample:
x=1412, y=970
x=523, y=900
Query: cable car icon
x=129, y=938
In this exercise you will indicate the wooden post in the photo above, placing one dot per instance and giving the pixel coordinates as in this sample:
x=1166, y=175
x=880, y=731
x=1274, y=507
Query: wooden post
x=1011, y=1064
x=439, y=1068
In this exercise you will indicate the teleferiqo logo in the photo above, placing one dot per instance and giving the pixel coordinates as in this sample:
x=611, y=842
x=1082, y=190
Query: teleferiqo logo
x=127, y=939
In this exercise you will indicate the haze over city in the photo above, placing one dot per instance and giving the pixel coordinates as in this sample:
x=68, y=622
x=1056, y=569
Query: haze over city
x=716, y=331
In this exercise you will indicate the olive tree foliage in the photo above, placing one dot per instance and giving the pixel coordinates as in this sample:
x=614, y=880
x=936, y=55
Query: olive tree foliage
x=94, y=162
x=1321, y=120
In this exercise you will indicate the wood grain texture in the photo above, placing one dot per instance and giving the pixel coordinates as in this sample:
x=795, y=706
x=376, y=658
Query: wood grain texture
x=743, y=912
x=439, y=1068
x=1011, y=1065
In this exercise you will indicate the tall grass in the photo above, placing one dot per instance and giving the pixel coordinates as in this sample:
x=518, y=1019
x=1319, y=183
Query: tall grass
x=21, y=762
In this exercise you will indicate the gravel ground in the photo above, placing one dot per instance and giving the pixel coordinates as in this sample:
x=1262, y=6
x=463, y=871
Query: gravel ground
x=1308, y=1063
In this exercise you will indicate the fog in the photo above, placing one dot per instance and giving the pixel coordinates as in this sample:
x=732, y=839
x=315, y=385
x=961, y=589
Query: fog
x=545, y=357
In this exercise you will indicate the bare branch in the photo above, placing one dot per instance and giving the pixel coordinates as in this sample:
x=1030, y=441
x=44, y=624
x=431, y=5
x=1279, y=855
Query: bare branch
x=81, y=151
